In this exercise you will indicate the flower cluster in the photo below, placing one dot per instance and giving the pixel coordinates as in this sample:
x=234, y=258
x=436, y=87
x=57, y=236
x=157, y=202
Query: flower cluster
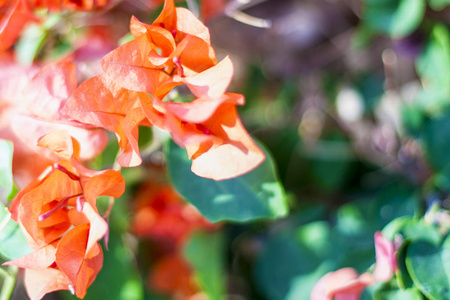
x=59, y=216
x=58, y=125
x=174, y=51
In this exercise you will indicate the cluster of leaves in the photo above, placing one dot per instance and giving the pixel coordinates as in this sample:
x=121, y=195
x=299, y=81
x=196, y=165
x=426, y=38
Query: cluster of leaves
x=353, y=115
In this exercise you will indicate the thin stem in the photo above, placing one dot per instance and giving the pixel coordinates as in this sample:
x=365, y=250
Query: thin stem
x=9, y=281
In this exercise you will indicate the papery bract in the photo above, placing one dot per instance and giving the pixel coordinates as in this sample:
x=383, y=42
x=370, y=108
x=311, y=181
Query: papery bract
x=175, y=43
x=30, y=104
x=220, y=147
x=101, y=102
x=172, y=275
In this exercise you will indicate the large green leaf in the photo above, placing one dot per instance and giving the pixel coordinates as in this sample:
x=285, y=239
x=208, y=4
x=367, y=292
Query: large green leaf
x=257, y=194
x=12, y=240
x=205, y=252
x=429, y=267
x=6, y=179
x=398, y=18
x=404, y=280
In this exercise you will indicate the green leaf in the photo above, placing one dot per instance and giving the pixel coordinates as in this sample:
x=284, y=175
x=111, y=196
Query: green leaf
x=398, y=18
x=409, y=294
x=205, y=253
x=403, y=278
x=432, y=67
x=438, y=4
x=395, y=227
x=12, y=240
x=302, y=285
x=282, y=261
x=429, y=266
x=6, y=179
x=30, y=43
x=421, y=231
x=436, y=140
x=394, y=200
x=257, y=194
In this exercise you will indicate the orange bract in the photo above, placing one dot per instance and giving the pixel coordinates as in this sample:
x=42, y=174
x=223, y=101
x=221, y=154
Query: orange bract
x=30, y=107
x=59, y=217
x=173, y=276
x=163, y=216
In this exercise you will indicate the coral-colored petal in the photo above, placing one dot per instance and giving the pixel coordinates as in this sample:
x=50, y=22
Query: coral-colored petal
x=102, y=183
x=18, y=14
x=129, y=67
x=53, y=188
x=189, y=24
x=29, y=130
x=212, y=82
x=202, y=109
x=39, y=259
x=61, y=143
x=71, y=251
x=195, y=55
x=223, y=149
x=101, y=102
x=40, y=282
x=98, y=226
x=89, y=269
x=168, y=16
x=49, y=89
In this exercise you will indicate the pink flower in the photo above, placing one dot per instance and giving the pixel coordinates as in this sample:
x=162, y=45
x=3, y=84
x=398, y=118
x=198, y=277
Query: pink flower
x=385, y=265
x=343, y=284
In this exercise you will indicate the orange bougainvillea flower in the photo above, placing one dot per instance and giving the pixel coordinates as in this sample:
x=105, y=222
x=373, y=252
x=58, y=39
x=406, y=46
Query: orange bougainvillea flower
x=40, y=111
x=171, y=275
x=209, y=126
x=175, y=43
x=101, y=102
x=163, y=216
x=59, y=217
x=30, y=103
